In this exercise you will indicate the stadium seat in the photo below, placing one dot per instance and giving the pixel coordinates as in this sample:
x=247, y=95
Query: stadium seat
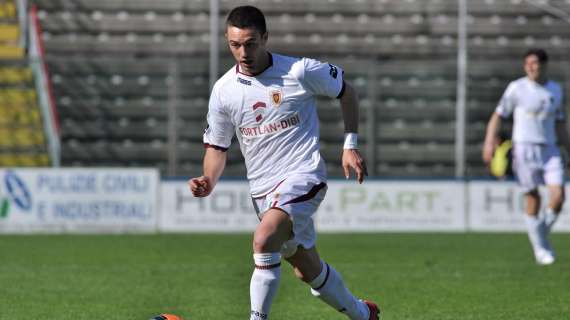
x=110, y=63
x=7, y=10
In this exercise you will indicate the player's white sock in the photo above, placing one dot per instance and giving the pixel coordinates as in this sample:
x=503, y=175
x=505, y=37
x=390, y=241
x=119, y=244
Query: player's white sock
x=329, y=287
x=536, y=232
x=264, y=283
x=550, y=218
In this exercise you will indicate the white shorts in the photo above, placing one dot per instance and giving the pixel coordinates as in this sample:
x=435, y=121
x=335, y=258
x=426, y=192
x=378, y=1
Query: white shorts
x=299, y=196
x=537, y=164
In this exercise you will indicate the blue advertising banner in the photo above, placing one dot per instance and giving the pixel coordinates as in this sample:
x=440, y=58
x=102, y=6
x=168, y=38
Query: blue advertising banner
x=78, y=200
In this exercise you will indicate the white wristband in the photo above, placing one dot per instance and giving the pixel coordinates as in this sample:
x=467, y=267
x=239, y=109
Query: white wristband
x=350, y=140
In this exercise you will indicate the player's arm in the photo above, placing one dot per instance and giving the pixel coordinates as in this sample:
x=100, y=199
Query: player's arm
x=562, y=135
x=214, y=164
x=328, y=80
x=504, y=109
x=217, y=139
x=351, y=157
x=491, y=135
x=562, y=129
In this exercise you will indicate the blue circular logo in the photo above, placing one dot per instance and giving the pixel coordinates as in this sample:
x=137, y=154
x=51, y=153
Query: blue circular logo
x=18, y=191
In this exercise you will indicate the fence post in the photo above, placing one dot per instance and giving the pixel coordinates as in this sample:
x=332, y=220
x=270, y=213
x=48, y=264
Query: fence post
x=371, y=125
x=460, y=120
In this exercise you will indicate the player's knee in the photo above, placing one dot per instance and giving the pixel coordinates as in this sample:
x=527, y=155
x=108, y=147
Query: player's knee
x=533, y=195
x=275, y=228
x=266, y=240
x=557, y=197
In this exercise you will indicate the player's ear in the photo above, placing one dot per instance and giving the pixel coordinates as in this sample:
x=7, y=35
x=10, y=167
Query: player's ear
x=265, y=36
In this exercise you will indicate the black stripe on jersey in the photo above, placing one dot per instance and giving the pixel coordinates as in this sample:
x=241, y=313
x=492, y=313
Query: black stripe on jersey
x=207, y=145
x=341, y=93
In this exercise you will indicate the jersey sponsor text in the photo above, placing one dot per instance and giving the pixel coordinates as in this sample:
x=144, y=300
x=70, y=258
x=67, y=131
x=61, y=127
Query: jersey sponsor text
x=271, y=128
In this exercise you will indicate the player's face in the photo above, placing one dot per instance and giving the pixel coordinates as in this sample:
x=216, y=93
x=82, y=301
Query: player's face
x=248, y=48
x=533, y=68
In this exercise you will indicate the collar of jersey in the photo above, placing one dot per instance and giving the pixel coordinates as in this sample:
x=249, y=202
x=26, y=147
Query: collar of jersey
x=544, y=85
x=262, y=71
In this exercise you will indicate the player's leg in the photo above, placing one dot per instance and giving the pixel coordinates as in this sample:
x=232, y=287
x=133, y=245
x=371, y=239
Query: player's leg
x=554, y=178
x=528, y=170
x=300, y=196
x=536, y=229
x=327, y=284
x=555, y=202
x=273, y=230
x=533, y=223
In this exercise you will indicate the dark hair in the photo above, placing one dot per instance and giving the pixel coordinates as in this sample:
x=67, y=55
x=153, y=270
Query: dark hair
x=539, y=53
x=247, y=17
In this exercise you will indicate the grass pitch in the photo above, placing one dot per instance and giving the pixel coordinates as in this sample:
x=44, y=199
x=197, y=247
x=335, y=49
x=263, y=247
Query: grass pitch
x=206, y=277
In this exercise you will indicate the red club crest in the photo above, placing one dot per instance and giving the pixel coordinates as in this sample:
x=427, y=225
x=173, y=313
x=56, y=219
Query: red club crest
x=276, y=97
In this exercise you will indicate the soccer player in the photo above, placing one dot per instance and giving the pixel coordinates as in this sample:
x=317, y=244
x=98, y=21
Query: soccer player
x=268, y=101
x=539, y=124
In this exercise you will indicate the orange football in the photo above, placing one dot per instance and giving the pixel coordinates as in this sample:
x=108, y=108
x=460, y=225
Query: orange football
x=166, y=316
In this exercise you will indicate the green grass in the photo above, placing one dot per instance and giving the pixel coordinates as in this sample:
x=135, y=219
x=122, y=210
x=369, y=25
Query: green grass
x=412, y=276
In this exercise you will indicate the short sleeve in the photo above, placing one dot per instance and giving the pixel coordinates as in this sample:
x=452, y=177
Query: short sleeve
x=507, y=103
x=220, y=129
x=322, y=78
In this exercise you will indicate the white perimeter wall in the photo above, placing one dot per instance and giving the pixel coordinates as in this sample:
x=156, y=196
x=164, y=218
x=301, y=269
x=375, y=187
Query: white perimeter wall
x=372, y=206
x=135, y=200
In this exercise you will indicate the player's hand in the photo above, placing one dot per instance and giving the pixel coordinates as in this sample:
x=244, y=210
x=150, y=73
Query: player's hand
x=488, y=151
x=351, y=158
x=201, y=186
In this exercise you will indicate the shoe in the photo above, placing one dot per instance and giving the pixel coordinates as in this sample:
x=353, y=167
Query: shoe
x=374, y=310
x=544, y=257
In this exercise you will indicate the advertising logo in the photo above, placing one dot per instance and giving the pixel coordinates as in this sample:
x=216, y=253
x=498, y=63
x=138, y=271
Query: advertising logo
x=14, y=192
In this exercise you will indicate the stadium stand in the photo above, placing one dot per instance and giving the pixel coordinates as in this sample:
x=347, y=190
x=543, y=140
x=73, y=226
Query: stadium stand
x=22, y=140
x=109, y=62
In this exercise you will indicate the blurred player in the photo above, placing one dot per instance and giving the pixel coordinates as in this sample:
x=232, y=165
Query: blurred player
x=268, y=101
x=539, y=123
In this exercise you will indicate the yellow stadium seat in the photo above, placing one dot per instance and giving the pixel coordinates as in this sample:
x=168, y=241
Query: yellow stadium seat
x=38, y=136
x=42, y=160
x=4, y=117
x=7, y=9
x=23, y=138
x=26, y=160
x=9, y=160
x=10, y=75
x=11, y=52
x=17, y=96
x=35, y=116
x=9, y=32
x=6, y=139
x=3, y=160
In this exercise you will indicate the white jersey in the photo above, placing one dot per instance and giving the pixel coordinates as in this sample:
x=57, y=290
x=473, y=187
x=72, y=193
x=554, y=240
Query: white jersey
x=274, y=117
x=536, y=108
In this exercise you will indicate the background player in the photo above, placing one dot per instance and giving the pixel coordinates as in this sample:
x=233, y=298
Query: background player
x=538, y=125
x=268, y=100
